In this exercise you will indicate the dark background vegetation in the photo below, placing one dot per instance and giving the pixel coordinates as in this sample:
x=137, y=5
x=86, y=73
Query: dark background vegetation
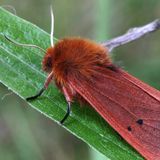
x=25, y=133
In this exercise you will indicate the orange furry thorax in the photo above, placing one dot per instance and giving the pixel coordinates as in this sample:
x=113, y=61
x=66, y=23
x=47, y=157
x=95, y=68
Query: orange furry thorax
x=74, y=56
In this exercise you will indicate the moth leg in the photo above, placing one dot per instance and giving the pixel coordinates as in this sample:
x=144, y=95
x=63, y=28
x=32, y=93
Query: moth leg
x=46, y=84
x=68, y=96
x=68, y=112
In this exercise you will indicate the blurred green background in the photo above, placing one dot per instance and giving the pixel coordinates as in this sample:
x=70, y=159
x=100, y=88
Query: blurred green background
x=25, y=133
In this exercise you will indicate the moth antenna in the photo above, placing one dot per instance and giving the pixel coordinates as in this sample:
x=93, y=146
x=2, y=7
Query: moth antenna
x=52, y=27
x=22, y=44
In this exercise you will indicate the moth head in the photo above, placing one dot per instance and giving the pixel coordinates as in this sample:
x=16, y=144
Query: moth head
x=47, y=63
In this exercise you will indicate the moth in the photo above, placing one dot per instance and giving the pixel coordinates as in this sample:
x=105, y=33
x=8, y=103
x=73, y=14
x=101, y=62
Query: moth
x=83, y=70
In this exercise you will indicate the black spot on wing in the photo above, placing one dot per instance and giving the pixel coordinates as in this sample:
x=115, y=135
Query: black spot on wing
x=129, y=128
x=140, y=121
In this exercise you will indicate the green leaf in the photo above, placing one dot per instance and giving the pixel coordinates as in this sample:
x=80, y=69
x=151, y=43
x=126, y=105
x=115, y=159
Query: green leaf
x=20, y=71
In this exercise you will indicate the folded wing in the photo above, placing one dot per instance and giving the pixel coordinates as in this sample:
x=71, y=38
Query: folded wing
x=130, y=106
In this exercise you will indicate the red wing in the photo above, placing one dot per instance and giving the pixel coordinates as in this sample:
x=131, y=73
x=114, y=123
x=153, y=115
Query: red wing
x=122, y=100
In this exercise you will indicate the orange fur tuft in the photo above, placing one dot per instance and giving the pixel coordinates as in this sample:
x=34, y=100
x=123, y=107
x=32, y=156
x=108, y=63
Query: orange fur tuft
x=74, y=56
